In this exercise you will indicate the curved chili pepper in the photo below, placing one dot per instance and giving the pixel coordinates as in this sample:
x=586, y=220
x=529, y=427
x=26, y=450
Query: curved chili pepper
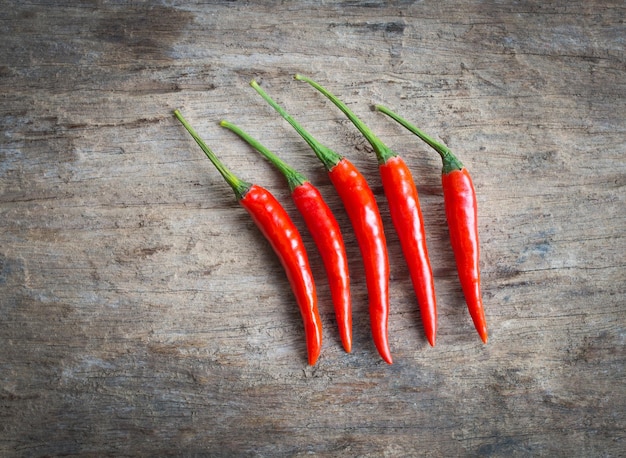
x=360, y=204
x=461, y=208
x=406, y=215
x=325, y=232
x=275, y=224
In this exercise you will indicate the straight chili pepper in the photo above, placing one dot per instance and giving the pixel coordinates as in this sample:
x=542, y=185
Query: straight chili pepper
x=360, y=204
x=323, y=228
x=461, y=209
x=405, y=212
x=275, y=224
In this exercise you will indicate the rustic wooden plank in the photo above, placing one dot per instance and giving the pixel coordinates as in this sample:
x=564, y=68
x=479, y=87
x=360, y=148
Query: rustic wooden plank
x=142, y=313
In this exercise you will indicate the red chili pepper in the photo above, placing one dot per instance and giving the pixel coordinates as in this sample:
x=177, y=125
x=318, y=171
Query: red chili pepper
x=462, y=214
x=406, y=215
x=360, y=204
x=280, y=231
x=325, y=232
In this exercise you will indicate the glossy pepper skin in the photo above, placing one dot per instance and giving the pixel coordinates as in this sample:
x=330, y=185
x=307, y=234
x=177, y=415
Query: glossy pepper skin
x=278, y=228
x=461, y=209
x=362, y=209
x=327, y=236
x=325, y=231
x=280, y=231
x=406, y=216
x=462, y=214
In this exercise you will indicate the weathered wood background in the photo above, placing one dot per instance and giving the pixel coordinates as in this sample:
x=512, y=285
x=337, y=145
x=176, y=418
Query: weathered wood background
x=142, y=313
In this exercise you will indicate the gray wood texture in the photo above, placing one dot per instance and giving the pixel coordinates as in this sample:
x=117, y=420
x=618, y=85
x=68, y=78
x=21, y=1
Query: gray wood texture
x=142, y=312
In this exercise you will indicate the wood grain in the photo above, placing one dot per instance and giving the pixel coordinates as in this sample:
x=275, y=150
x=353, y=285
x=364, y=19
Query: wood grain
x=141, y=311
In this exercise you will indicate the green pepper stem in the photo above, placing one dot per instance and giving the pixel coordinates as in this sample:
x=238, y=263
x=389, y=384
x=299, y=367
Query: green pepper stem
x=240, y=187
x=328, y=157
x=450, y=161
x=383, y=153
x=294, y=178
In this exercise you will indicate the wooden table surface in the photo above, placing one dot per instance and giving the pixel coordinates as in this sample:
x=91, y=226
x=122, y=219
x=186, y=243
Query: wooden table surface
x=143, y=314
